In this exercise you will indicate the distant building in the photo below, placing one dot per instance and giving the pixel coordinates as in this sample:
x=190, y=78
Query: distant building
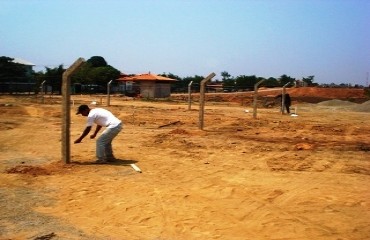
x=146, y=85
x=27, y=65
x=20, y=84
x=300, y=83
x=215, y=87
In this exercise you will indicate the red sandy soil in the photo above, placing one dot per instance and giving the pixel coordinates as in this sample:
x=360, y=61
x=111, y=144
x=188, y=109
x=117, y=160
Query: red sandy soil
x=303, y=94
x=273, y=177
x=337, y=93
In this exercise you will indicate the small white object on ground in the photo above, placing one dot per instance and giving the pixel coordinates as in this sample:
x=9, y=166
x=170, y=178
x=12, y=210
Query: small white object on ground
x=246, y=110
x=293, y=115
x=136, y=168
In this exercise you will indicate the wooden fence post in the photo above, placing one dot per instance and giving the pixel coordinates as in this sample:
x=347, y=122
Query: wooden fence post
x=189, y=95
x=108, y=92
x=201, y=99
x=255, y=98
x=42, y=91
x=66, y=109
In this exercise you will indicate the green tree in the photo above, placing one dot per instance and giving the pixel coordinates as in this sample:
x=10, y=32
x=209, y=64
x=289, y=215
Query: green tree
x=82, y=74
x=194, y=86
x=39, y=78
x=228, y=82
x=10, y=71
x=245, y=82
x=53, y=78
x=97, y=61
x=225, y=76
x=271, y=82
x=170, y=75
x=102, y=75
x=95, y=71
x=284, y=79
x=309, y=80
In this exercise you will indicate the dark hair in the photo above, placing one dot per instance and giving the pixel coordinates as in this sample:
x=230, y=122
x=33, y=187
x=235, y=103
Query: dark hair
x=82, y=108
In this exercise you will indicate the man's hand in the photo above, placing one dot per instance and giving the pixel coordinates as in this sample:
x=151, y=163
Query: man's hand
x=84, y=134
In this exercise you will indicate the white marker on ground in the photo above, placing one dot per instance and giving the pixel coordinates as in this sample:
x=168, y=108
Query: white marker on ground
x=136, y=168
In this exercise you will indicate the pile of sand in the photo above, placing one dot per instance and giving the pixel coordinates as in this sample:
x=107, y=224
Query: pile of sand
x=350, y=106
x=336, y=103
x=364, y=107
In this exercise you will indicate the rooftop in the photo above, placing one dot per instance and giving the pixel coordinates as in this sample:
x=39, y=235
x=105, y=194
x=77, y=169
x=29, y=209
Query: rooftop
x=23, y=62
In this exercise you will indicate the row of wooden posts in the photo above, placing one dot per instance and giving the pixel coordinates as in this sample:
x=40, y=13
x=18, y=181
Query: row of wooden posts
x=66, y=110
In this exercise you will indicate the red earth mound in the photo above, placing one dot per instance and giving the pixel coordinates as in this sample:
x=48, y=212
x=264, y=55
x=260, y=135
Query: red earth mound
x=338, y=93
x=302, y=94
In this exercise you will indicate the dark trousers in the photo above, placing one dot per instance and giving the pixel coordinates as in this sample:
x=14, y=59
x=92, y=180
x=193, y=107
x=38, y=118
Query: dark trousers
x=287, y=106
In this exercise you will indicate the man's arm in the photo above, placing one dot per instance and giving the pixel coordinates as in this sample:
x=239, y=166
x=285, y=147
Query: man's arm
x=98, y=127
x=84, y=134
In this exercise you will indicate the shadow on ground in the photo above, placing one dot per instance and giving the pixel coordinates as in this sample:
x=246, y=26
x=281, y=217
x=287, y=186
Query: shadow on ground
x=116, y=162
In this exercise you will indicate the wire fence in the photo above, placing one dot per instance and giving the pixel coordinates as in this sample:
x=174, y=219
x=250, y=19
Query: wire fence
x=17, y=88
x=157, y=89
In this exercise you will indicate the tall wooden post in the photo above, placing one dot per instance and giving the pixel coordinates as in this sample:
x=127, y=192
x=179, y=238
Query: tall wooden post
x=66, y=110
x=42, y=92
x=255, y=98
x=108, y=93
x=201, y=99
x=189, y=95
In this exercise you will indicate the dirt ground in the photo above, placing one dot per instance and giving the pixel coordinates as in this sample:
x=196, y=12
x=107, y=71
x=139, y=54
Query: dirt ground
x=274, y=177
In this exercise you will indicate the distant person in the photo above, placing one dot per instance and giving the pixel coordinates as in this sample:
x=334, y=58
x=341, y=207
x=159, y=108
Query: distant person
x=102, y=118
x=287, y=101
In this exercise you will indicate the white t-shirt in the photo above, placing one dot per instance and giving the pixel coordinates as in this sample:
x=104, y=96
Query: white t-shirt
x=102, y=117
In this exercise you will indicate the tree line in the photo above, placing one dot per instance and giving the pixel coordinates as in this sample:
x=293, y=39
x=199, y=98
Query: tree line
x=96, y=72
x=238, y=83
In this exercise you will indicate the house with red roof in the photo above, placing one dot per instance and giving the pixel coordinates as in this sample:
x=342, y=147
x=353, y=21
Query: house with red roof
x=147, y=85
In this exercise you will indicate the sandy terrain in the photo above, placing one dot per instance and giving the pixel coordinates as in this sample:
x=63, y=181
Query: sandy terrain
x=274, y=177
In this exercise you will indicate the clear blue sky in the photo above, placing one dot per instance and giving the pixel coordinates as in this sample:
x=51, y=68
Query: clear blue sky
x=329, y=39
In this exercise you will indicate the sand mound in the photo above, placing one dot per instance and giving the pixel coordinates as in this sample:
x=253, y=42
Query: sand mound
x=364, y=107
x=346, y=105
x=336, y=103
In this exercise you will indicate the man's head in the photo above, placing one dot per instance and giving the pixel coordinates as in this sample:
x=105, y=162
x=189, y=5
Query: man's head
x=83, y=110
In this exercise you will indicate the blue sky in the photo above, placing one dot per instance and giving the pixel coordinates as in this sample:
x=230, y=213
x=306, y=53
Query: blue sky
x=329, y=39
